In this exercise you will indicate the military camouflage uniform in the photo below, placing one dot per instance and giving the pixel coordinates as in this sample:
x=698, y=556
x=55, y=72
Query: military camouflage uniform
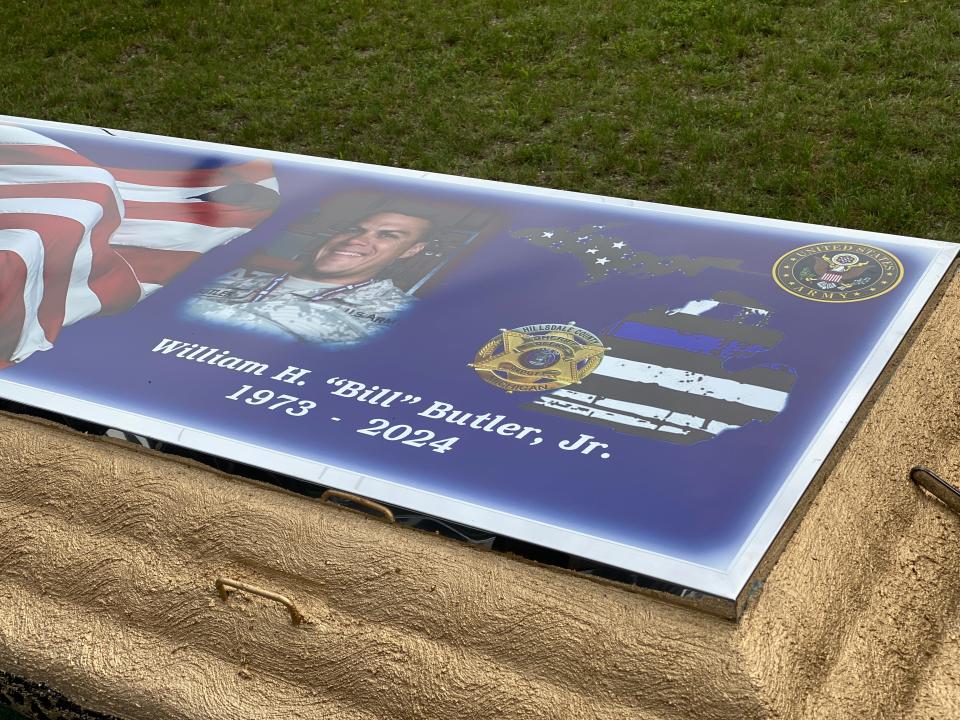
x=299, y=309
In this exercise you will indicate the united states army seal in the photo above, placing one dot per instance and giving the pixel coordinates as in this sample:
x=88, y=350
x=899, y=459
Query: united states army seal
x=534, y=358
x=838, y=272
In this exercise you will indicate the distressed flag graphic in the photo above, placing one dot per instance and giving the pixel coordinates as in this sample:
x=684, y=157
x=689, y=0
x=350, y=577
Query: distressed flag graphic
x=603, y=254
x=663, y=376
x=77, y=239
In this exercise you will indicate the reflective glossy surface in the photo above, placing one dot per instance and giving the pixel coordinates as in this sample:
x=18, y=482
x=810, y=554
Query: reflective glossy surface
x=645, y=386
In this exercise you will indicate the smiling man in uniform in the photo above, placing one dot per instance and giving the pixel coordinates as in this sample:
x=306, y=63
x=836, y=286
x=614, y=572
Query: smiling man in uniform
x=334, y=297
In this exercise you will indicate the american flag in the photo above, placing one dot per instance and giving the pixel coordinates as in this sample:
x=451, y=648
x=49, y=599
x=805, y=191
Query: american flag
x=663, y=376
x=78, y=239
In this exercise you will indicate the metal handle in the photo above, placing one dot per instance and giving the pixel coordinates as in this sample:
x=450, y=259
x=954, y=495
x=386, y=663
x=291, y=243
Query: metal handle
x=936, y=486
x=296, y=617
x=366, y=502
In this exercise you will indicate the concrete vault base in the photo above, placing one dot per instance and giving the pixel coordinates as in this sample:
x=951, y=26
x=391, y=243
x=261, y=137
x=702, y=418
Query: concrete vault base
x=108, y=557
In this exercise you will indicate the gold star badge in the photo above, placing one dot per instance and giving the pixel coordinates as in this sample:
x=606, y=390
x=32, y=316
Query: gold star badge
x=538, y=357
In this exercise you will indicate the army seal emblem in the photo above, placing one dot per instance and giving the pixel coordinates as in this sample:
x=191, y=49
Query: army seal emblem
x=534, y=358
x=838, y=272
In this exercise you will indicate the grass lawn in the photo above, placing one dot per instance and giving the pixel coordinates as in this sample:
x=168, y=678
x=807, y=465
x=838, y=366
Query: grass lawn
x=841, y=113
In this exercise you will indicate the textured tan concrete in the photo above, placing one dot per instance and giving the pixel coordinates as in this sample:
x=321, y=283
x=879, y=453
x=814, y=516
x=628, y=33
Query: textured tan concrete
x=108, y=556
x=937, y=693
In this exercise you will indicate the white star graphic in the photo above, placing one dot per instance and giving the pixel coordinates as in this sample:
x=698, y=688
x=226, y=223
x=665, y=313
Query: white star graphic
x=618, y=245
x=602, y=261
x=548, y=235
x=592, y=251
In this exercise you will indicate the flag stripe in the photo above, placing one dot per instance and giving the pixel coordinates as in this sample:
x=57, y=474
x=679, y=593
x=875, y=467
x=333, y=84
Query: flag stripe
x=40, y=155
x=567, y=406
x=775, y=379
x=700, y=325
x=726, y=411
x=21, y=260
x=692, y=342
x=169, y=235
x=693, y=383
x=624, y=423
x=211, y=214
x=81, y=201
x=134, y=192
x=646, y=412
x=695, y=307
x=154, y=266
x=15, y=175
x=55, y=261
x=16, y=135
x=250, y=172
x=94, y=207
x=13, y=302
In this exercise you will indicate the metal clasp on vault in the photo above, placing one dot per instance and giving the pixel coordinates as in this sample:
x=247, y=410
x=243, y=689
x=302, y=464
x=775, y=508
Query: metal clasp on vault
x=937, y=486
x=222, y=583
x=376, y=507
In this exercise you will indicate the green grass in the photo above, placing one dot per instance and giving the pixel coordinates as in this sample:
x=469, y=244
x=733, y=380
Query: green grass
x=841, y=113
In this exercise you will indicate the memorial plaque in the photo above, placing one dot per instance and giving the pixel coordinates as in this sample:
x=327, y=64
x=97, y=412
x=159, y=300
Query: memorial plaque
x=649, y=387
